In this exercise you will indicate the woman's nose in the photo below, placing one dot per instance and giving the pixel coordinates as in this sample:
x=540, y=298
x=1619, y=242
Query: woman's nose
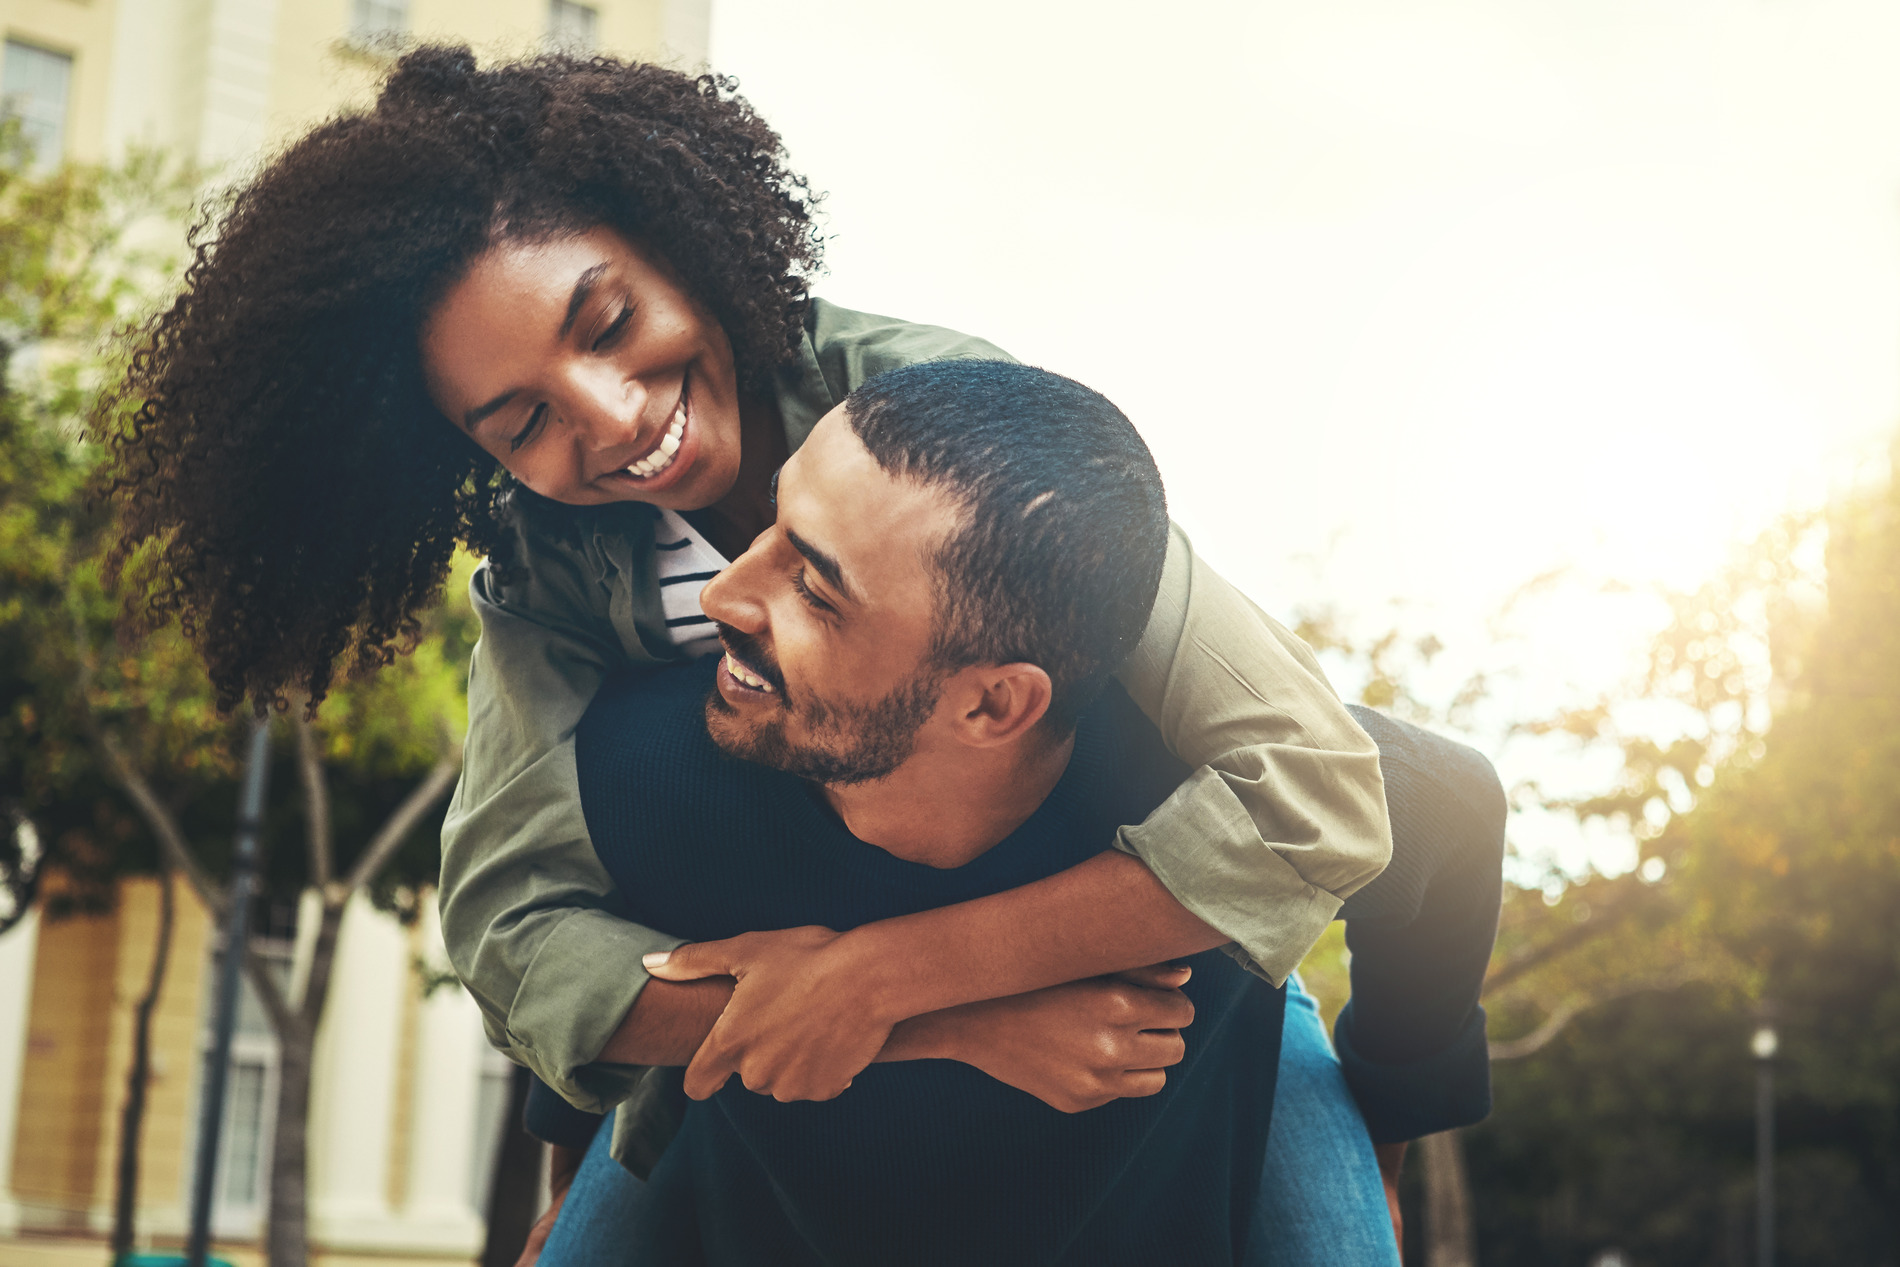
x=606, y=408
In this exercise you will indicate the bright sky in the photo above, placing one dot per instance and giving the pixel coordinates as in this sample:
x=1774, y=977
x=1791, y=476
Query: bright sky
x=1413, y=299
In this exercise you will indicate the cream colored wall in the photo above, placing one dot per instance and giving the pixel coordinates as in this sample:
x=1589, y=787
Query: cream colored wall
x=317, y=72
x=56, y=1145
x=175, y=1028
x=89, y=972
x=215, y=78
x=83, y=30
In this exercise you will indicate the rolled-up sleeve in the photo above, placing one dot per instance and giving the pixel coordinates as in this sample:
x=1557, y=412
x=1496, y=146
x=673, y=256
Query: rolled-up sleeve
x=527, y=911
x=1285, y=816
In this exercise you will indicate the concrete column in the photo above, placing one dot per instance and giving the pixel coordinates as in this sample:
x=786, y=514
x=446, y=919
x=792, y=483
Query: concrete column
x=353, y=1096
x=686, y=33
x=238, y=57
x=17, y=949
x=447, y=1080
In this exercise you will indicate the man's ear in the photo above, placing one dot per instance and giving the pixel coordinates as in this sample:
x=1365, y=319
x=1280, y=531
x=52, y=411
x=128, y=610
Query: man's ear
x=998, y=703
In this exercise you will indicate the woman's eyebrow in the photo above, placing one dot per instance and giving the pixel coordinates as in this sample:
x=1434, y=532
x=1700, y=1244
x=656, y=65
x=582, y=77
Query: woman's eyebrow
x=477, y=414
x=583, y=287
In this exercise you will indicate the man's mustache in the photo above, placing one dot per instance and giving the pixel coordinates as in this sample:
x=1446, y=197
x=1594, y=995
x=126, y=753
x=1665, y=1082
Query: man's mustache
x=751, y=653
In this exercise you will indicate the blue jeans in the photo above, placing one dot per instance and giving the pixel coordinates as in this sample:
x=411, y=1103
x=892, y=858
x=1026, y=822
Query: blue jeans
x=1321, y=1200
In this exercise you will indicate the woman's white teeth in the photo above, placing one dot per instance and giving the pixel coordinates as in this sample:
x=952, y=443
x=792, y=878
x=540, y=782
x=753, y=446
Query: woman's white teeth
x=750, y=679
x=662, y=456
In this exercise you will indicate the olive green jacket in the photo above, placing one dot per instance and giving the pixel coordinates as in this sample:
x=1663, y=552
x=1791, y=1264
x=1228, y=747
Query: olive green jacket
x=1282, y=821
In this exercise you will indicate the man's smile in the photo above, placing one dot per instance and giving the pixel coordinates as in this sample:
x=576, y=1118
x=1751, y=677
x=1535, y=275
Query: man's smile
x=746, y=666
x=744, y=676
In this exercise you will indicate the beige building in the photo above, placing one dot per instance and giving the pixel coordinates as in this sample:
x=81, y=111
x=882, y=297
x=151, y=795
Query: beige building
x=219, y=79
x=408, y=1098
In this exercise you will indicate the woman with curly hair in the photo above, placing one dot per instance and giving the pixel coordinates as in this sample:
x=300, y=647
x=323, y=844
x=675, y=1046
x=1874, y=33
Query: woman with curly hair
x=558, y=311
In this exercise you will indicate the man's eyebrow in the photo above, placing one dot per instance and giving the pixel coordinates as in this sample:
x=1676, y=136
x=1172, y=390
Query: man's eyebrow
x=826, y=565
x=583, y=287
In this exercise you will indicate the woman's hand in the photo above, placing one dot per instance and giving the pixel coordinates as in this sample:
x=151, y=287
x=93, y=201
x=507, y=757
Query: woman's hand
x=799, y=1025
x=1075, y=1046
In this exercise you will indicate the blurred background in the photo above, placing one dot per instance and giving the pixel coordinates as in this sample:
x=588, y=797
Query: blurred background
x=1539, y=362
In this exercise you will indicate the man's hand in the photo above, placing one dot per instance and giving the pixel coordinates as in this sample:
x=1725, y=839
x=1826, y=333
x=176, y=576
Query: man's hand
x=563, y=1164
x=796, y=1028
x=1075, y=1046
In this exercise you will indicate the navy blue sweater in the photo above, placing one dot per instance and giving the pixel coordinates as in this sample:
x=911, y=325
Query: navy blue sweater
x=922, y=1161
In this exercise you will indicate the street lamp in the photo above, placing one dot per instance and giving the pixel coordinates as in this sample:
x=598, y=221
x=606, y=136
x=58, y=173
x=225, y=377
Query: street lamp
x=1763, y=1044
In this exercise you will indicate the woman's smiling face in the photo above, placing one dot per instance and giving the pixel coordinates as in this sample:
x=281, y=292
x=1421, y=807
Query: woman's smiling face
x=585, y=368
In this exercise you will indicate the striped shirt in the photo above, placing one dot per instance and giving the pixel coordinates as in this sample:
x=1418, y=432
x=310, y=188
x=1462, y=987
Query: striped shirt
x=687, y=561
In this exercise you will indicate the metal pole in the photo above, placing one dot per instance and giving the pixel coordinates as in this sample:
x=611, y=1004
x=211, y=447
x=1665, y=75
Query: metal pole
x=1764, y=1045
x=218, y=1059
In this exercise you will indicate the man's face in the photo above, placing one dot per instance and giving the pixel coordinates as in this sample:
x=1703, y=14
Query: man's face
x=827, y=619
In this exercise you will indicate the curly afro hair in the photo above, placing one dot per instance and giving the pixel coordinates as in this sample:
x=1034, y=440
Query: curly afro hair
x=284, y=485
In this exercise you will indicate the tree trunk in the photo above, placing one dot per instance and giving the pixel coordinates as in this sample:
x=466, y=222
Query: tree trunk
x=288, y=1242
x=1449, y=1240
x=125, y=1198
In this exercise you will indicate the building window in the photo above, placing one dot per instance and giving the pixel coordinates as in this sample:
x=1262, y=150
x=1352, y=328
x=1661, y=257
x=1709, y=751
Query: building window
x=571, y=26
x=34, y=84
x=241, y=1192
x=382, y=22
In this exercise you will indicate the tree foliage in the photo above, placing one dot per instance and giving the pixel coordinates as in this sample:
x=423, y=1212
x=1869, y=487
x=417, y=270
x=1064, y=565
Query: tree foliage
x=113, y=755
x=1770, y=888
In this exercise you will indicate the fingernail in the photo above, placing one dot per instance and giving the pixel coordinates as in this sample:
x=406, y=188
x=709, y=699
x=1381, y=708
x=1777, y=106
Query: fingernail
x=657, y=959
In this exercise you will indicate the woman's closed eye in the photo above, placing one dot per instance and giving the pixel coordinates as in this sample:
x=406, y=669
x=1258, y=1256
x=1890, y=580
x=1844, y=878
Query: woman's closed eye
x=615, y=328
x=527, y=433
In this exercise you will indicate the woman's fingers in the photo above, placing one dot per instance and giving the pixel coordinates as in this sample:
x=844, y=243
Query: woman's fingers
x=1158, y=976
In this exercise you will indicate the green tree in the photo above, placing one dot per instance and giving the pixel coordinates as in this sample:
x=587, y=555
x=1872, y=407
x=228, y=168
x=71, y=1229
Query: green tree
x=1770, y=879
x=113, y=757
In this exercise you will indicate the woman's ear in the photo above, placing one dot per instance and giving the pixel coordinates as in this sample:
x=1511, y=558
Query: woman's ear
x=998, y=703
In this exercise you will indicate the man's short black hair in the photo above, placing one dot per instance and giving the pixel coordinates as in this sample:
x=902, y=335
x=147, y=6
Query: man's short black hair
x=1065, y=524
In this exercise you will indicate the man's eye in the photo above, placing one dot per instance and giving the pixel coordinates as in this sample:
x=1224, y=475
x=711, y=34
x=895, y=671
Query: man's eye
x=527, y=433
x=612, y=332
x=811, y=600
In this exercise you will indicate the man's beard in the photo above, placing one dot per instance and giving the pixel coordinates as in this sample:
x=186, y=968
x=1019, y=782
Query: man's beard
x=849, y=743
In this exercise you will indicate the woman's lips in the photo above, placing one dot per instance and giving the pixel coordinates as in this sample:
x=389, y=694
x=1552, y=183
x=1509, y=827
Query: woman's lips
x=660, y=458
x=669, y=461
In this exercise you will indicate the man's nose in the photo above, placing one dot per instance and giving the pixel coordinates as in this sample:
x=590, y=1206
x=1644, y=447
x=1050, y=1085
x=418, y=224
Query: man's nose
x=732, y=597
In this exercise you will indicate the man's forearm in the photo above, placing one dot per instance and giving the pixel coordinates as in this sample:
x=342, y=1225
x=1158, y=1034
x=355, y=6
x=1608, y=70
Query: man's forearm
x=1106, y=915
x=668, y=1022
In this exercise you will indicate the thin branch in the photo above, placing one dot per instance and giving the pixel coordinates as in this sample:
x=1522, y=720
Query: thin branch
x=1576, y=1005
x=1604, y=916
x=419, y=801
x=316, y=802
x=1539, y=1038
x=268, y=992
x=171, y=840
